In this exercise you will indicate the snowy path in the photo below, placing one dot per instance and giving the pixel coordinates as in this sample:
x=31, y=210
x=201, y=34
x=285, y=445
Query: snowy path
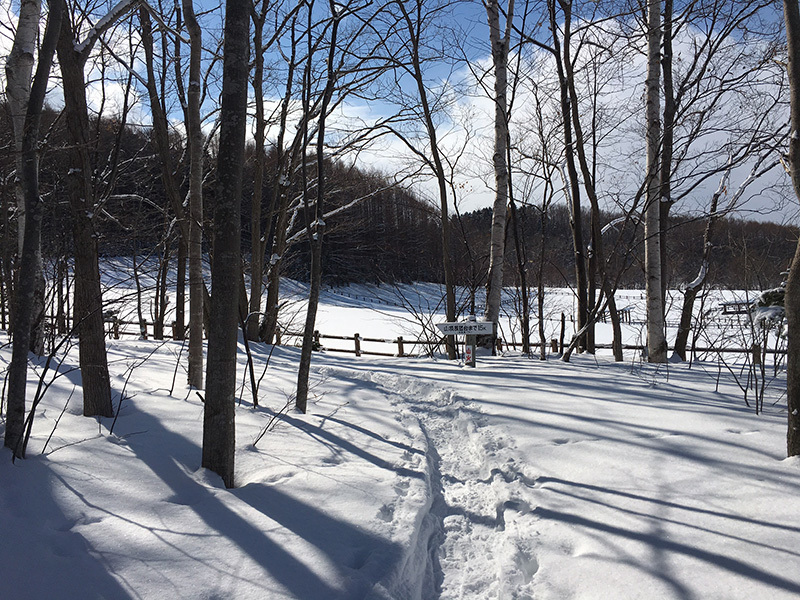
x=479, y=533
x=586, y=482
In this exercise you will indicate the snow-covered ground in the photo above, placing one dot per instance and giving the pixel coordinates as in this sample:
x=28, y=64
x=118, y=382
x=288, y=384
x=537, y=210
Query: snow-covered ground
x=409, y=478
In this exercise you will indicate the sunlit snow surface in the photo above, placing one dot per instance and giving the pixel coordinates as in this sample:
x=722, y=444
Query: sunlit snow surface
x=409, y=478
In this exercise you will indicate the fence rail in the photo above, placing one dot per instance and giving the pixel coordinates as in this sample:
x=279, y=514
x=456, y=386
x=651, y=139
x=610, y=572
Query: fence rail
x=116, y=327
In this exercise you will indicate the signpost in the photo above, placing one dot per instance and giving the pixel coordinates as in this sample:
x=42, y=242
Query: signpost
x=467, y=328
x=470, y=329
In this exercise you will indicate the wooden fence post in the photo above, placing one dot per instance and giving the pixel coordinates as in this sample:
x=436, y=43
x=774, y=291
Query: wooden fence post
x=115, y=327
x=357, y=340
x=400, y=349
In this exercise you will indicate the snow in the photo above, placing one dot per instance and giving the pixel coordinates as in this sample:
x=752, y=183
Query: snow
x=409, y=478
x=701, y=276
x=109, y=18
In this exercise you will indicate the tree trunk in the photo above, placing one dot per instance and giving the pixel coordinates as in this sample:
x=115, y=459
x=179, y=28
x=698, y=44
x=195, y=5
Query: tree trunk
x=19, y=66
x=316, y=231
x=191, y=226
x=269, y=324
x=9, y=243
x=438, y=171
x=179, y=332
x=218, y=422
x=161, y=298
x=304, y=368
x=691, y=291
x=667, y=146
x=792, y=299
x=279, y=205
x=540, y=277
x=195, y=237
x=573, y=182
x=62, y=290
x=499, y=47
x=31, y=255
x=656, y=340
x=519, y=246
x=712, y=219
x=88, y=309
x=256, y=243
x=616, y=328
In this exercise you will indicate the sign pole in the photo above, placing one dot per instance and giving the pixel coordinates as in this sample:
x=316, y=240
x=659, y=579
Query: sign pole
x=470, y=329
x=469, y=350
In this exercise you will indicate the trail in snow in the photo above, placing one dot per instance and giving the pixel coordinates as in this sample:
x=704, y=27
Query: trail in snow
x=478, y=536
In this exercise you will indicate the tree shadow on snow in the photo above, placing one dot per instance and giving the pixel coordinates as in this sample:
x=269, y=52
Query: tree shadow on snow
x=352, y=553
x=41, y=555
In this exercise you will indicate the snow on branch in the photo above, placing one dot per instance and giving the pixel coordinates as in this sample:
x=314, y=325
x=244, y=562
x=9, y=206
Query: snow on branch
x=118, y=11
x=701, y=277
x=332, y=213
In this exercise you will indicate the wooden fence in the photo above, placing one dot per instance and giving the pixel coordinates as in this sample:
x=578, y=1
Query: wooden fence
x=116, y=327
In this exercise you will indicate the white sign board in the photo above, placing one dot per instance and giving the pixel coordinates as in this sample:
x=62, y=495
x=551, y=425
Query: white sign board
x=467, y=328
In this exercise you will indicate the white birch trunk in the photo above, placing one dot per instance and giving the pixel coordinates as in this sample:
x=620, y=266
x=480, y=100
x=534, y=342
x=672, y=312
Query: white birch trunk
x=499, y=44
x=19, y=69
x=656, y=338
x=792, y=301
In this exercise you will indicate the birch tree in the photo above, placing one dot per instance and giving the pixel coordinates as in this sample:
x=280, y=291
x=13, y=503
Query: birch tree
x=31, y=255
x=656, y=335
x=19, y=67
x=500, y=42
x=791, y=10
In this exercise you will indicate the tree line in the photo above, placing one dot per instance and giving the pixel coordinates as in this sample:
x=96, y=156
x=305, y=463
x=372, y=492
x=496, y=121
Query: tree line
x=392, y=236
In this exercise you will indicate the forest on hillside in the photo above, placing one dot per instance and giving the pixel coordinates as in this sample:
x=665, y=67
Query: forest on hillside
x=391, y=236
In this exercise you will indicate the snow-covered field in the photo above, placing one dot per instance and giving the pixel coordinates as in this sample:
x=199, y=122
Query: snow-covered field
x=409, y=478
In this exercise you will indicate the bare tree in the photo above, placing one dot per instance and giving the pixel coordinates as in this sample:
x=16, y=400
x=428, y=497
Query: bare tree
x=19, y=66
x=540, y=169
x=218, y=422
x=723, y=80
x=791, y=10
x=561, y=49
x=410, y=24
x=314, y=222
x=656, y=334
x=72, y=57
x=716, y=211
x=31, y=255
x=194, y=140
x=500, y=43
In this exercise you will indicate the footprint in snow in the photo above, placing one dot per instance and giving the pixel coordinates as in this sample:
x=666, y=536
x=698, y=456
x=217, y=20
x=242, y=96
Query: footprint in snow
x=742, y=431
